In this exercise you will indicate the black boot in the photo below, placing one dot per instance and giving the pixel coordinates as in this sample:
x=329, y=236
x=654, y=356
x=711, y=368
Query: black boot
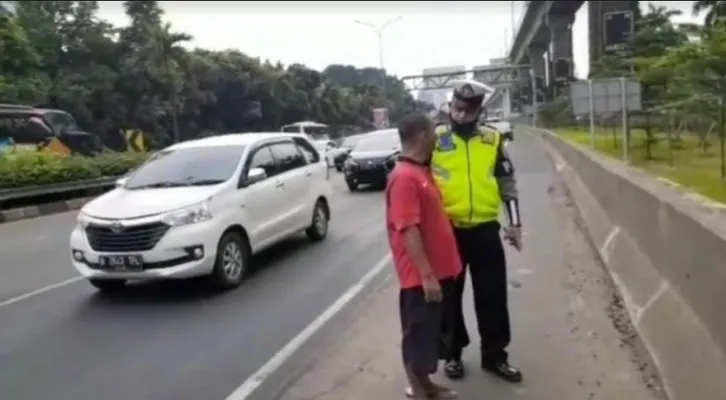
x=502, y=369
x=454, y=369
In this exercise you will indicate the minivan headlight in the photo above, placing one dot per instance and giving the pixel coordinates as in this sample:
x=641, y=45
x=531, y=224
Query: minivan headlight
x=188, y=215
x=83, y=219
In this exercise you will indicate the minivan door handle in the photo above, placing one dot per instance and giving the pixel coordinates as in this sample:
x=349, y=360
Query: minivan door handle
x=280, y=184
x=308, y=173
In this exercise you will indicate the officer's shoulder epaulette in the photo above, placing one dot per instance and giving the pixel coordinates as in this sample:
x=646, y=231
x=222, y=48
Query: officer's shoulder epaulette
x=487, y=134
x=488, y=128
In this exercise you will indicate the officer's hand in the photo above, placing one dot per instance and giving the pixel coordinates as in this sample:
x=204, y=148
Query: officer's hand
x=513, y=234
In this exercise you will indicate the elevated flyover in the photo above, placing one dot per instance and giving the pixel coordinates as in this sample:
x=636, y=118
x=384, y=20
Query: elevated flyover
x=544, y=37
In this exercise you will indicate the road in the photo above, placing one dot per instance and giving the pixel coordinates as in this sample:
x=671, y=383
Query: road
x=167, y=341
x=177, y=341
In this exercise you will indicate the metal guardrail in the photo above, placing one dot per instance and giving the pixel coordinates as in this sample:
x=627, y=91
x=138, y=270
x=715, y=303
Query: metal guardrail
x=40, y=190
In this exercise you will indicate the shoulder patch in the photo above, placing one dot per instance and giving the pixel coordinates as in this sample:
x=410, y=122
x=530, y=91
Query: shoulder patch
x=446, y=142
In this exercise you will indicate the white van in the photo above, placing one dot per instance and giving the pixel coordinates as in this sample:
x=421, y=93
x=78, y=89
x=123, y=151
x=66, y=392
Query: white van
x=202, y=208
x=314, y=130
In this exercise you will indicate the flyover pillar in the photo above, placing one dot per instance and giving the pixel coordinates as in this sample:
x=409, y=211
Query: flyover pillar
x=536, y=53
x=561, y=60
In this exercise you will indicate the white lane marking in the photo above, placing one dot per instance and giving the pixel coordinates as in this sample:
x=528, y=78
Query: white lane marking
x=605, y=249
x=255, y=380
x=39, y=291
x=637, y=313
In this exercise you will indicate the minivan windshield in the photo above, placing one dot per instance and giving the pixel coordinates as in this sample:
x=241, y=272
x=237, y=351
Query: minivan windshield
x=191, y=166
x=379, y=142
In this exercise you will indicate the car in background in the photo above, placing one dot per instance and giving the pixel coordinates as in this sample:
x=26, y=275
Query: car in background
x=313, y=130
x=328, y=150
x=502, y=126
x=43, y=129
x=345, y=148
x=203, y=208
x=371, y=159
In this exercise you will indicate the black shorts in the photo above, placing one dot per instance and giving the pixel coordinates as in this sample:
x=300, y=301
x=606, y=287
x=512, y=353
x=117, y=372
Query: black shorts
x=421, y=323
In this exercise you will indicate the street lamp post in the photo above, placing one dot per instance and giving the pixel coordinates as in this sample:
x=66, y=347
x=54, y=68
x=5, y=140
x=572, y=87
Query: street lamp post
x=379, y=31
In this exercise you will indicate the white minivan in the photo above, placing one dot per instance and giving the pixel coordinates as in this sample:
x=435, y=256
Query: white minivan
x=203, y=207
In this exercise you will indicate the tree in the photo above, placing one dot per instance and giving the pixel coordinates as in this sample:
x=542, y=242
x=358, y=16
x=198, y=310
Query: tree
x=140, y=77
x=715, y=10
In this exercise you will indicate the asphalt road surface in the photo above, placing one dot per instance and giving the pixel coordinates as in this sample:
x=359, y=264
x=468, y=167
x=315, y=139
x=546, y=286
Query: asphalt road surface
x=171, y=340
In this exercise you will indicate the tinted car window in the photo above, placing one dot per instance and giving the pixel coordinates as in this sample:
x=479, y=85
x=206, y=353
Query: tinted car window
x=291, y=129
x=288, y=157
x=307, y=149
x=193, y=166
x=62, y=121
x=262, y=158
x=23, y=128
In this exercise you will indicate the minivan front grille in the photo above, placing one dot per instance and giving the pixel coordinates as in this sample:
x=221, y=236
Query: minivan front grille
x=131, y=238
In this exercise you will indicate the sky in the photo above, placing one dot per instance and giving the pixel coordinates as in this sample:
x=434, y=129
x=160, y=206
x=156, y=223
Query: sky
x=319, y=33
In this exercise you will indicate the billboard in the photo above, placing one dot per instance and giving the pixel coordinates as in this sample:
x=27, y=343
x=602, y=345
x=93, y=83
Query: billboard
x=606, y=95
x=380, y=118
x=438, y=82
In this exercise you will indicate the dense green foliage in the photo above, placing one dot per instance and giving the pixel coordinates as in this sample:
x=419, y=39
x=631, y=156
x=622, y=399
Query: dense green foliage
x=30, y=168
x=59, y=54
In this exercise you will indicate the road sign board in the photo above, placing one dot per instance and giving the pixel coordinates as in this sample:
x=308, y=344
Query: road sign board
x=607, y=96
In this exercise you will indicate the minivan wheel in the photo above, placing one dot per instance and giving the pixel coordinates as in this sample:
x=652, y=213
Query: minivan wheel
x=232, y=262
x=318, y=228
x=108, y=286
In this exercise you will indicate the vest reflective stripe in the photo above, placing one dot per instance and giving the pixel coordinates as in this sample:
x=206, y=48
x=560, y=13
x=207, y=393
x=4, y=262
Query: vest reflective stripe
x=464, y=172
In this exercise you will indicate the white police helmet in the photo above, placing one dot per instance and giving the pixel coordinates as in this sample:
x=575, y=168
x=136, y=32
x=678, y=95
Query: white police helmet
x=467, y=99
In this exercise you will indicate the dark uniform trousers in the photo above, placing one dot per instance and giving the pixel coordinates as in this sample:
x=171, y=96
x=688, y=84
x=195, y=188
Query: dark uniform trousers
x=480, y=248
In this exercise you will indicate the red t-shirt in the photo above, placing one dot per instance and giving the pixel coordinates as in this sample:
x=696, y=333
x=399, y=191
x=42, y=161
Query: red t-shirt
x=412, y=199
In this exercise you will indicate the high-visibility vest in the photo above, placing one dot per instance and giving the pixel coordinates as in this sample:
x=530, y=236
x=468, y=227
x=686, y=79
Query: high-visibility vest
x=464, y=172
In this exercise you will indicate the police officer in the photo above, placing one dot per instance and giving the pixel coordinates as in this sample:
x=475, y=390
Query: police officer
x=475, y=175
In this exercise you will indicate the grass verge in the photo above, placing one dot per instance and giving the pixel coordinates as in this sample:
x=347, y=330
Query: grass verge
x=684, y=161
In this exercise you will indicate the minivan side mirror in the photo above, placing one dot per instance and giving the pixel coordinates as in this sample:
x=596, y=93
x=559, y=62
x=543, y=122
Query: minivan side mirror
x=121, y=181
x=255, y=175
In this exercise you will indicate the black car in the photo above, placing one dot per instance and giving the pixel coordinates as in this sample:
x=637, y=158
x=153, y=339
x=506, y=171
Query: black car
x=348, y=144
x=371, y=159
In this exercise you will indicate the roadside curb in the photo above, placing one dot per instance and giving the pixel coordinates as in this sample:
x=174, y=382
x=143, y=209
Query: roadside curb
x=17, y=214
x=634, y=222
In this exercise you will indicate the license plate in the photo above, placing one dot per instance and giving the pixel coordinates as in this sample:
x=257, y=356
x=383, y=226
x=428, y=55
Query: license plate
x=121, y=263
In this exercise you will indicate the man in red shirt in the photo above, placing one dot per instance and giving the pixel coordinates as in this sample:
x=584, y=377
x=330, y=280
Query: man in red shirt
x=424, y=253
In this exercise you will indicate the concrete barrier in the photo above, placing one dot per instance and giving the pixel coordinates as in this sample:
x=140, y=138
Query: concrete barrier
x=665, y=249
